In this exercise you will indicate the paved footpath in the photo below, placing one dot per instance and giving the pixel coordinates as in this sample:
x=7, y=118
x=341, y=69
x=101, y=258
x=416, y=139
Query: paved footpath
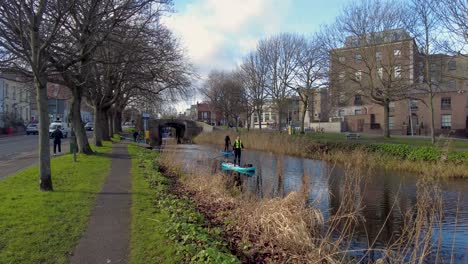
x=106, y=239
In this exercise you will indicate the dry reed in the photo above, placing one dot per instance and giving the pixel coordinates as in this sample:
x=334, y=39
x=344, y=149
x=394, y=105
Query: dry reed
x=290, y=230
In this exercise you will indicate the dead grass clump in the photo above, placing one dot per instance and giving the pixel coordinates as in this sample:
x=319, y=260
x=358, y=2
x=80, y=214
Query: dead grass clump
x=281, y=225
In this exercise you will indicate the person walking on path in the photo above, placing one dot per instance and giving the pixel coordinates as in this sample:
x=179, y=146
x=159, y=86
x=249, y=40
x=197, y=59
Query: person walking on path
x=135, y=136
x=227, y=143
x=57, y=135
x=238, y=146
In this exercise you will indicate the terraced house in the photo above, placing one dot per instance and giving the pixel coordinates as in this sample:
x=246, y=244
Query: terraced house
x=384, y=72
x=15, y=99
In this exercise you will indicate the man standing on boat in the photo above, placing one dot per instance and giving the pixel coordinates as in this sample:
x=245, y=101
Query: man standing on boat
x=238, y=146
x=227, y=143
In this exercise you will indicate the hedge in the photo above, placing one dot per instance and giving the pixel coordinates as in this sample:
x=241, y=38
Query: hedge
x=401, y=151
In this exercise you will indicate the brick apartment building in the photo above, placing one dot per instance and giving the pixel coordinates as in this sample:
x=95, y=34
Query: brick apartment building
x=391, y=58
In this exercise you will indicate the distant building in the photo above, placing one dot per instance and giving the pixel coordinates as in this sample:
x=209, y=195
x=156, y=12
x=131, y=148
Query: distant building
x=360, y=114
x=318, y=108
x=204, y=113
x=269, y=117
x=15, y=100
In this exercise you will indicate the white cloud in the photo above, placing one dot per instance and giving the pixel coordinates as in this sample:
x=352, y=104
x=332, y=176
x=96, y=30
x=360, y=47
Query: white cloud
x=217, y=33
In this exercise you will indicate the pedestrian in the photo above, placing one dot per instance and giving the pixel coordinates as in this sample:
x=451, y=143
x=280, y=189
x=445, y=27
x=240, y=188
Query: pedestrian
x=57, y=135
x=238, y=146
x=227, y=143
x=135, y=136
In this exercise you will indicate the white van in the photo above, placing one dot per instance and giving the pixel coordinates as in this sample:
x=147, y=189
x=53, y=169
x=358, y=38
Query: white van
x=63, y=127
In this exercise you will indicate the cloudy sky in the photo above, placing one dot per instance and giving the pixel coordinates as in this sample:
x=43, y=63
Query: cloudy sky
x=218, y=33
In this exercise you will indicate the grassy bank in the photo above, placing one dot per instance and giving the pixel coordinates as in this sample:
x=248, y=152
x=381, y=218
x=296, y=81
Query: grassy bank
x=291, y=229
x=438, y=161
x=166, y=228
x=44, y=227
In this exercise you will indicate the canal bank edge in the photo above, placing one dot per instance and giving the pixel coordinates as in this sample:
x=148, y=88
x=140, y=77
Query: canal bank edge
x=427, y=160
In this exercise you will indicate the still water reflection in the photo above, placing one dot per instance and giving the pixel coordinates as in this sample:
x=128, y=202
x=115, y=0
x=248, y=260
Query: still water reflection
x=385, y=196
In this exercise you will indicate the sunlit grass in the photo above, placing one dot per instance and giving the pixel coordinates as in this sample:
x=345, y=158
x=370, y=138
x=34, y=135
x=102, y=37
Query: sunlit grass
x=44, y=227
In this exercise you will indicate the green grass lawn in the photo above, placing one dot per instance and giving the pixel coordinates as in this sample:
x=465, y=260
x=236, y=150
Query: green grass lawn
x=44, y=227
x=166, y=228
x=416, y=141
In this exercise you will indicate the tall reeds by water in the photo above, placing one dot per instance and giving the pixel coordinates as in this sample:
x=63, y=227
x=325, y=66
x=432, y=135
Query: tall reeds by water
x=302, y=146
x=290, y=229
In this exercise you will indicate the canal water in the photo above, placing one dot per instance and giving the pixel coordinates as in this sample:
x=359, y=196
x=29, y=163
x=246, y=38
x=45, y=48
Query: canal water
x=385, y=198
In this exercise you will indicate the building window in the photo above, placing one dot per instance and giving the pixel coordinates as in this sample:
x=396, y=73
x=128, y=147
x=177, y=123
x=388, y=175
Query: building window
x=267, y=116
x=446, y=103
x=446, y=122
x=358, y=57
x=452, y=65
x=397, y=52
x=341, y=113
x=380, y=72
x=357, y=99
x=452, y=84
x=358, y=111
x=391, y=122
x=397, y=71
x=391, y=107
x=358, y=75
x=414, y=105
x=342, y=59
x=378, y=55
x=255, y=118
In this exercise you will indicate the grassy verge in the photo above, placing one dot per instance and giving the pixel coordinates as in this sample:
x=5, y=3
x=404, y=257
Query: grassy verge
x=44, y=227
x=435, y=161
x=166, y=228
x=291, y=229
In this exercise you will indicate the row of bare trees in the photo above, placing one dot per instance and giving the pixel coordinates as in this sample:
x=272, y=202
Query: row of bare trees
x=108, y=53
x=281, y=66
x=289, y=64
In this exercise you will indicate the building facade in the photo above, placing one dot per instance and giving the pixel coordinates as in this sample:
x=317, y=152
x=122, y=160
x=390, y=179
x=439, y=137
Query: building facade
x=15, y=101
x=361, y=73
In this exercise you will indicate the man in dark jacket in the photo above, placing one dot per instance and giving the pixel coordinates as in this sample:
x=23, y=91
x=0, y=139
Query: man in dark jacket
x=227, y=143
x=238, y=146
x=57, y=135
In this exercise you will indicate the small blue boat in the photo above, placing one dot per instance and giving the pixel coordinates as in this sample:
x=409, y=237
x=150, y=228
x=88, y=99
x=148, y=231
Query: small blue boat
x=227, y=153
x=231, y=166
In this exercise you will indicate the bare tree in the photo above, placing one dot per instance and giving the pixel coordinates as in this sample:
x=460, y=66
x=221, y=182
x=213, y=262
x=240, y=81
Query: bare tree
x=89, y=25
x=454, y=16
x=424, y=24
x=225, y=93
x=253, y=73
x=370, y=56
x=312, y=73
x=27, y=31
x=279, y=54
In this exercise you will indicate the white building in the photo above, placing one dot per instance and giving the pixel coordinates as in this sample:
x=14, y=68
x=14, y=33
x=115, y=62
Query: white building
x=15, y=100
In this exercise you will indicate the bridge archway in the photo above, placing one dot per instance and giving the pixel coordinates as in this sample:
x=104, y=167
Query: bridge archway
x=185, y=129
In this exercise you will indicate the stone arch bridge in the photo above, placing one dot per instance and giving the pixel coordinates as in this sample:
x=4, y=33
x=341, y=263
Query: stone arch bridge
x=186, y=130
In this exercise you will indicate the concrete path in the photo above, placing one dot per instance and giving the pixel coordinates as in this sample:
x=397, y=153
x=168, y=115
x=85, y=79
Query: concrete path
x=106, y=239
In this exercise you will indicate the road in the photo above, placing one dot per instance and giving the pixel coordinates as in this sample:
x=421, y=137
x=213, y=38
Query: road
x=21, y=151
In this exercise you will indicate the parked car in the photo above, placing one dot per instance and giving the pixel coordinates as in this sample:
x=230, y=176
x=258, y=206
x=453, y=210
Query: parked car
x=32, y=129
x=63, y=127
x=89, y=126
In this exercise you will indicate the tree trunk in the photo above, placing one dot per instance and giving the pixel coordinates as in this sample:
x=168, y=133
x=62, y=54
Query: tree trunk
x=280, y=115
x=44, y=143
x=77, y=123
x=259, y=114
x=304, y=110
x=110, y=126
x=98, y=126
x=431, y=106
x=118, y=121
x=386, y=132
